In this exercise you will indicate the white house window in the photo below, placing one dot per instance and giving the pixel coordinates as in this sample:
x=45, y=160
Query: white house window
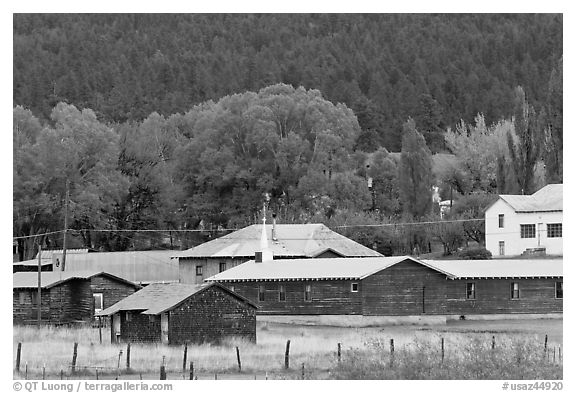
x=98, y=301
x=222, y=266
x=500, y=220
x=554, y=230
x=501, y=248
x=559, y=290
x=199, y=270
x=514, y=290
x=22, y=297
x=527, y=231
x=354, y=287
x=282, y=293
x=308, y=293
x=470, y=290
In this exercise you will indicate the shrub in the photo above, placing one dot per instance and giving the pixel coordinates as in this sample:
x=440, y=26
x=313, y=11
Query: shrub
x=474, y=253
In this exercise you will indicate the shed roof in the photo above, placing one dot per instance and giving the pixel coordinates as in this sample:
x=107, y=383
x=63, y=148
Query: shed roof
x=293, y=240
x=23, y=280
x=311, y=269
x=158, y=298
x=548, y=198
x=500, y=268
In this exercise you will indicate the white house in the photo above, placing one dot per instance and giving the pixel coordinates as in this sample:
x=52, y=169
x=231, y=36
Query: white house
x=517, y=223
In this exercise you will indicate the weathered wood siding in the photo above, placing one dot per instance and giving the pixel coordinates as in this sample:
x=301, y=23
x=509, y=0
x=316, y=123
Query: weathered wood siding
x=332, y=297
x=137, y=327
x=69, y=302
x=406, y=288
x=210, y=267
x=113, y=290
x=211, y=316
x=493, y=297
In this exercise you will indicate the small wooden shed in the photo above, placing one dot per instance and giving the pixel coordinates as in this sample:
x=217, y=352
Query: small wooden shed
x=177, y=313
x=66, y=297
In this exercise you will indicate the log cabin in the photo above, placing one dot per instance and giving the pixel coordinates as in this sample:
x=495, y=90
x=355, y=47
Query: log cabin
x=66, y=297
x=396, y=289
x=181, y=313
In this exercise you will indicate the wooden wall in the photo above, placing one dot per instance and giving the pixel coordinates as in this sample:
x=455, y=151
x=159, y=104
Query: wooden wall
x=406, y=288
x=332, y=297
x=138, y=327
x=113, y=290
x=210, y=267
x=211, y=316
x=493, y=297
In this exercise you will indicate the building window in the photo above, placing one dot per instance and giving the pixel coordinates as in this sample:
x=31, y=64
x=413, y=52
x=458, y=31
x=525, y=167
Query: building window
x=501, y=250
x=282, y=293
x=98, y=301
x=198, y=270
x=514, y=290
x=34, y=297
x=554, y=230
x=222, y=266
x=308, y=293
x=527, y=231
x=470, y=290
x=500, y=220
x=22, y=297
x=128, y=317
x=354, y=287
x=261, y=293
x=559, y=290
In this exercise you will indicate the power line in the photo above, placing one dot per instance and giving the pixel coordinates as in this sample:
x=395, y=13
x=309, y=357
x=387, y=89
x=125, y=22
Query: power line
x=37, y=235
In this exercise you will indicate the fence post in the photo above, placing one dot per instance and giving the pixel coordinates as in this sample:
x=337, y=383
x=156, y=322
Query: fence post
x=100, y=328
x=74, y=356
x=391, y=352
x=554, y=355
x=191, y=370
x=128, y=356
x=303, y=373
x=184, y=360
x=339, y=352
x=119, y=357
x=545, y=344
x=442, y=345
x=215, y=376
x=162, y=372
x=26, y=371
x=559, y=354
x=493, y=342
x=61, y=374
x=287, y=355
x=96, y=374
x=238, y=357
x=18, y=352
x=44, y=371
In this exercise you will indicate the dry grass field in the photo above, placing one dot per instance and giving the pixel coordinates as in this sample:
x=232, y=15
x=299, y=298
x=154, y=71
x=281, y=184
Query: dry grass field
x=518, y=353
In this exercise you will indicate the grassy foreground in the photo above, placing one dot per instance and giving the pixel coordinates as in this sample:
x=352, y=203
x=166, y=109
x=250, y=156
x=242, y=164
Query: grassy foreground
x=468, y=354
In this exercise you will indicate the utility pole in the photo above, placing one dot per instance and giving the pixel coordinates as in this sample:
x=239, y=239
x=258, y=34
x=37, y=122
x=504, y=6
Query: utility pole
x=65, y=225
x=39, y=284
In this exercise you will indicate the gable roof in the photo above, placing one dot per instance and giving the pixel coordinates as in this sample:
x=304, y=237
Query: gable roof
x=158, y=298
x=293, y=241
x=312, y=269
x=25, y=280
x=548, y=198
x=500, y=268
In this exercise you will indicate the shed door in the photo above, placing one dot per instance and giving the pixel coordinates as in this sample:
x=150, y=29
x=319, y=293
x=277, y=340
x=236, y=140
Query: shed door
x=116, y=327
x=164, y=327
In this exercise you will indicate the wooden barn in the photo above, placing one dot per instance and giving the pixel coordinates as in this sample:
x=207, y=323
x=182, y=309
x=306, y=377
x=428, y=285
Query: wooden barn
x=397, y=287
x=182, y=313
x=287, y=241
x=66, y=297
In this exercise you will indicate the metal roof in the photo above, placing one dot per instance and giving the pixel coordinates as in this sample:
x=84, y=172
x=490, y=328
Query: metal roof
x=311, y=269
x=33, y=262
x=293, y=240
x=158, y=298
x=500, y=268
x=47, y=254
x=22, y=280
x=548, y=198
